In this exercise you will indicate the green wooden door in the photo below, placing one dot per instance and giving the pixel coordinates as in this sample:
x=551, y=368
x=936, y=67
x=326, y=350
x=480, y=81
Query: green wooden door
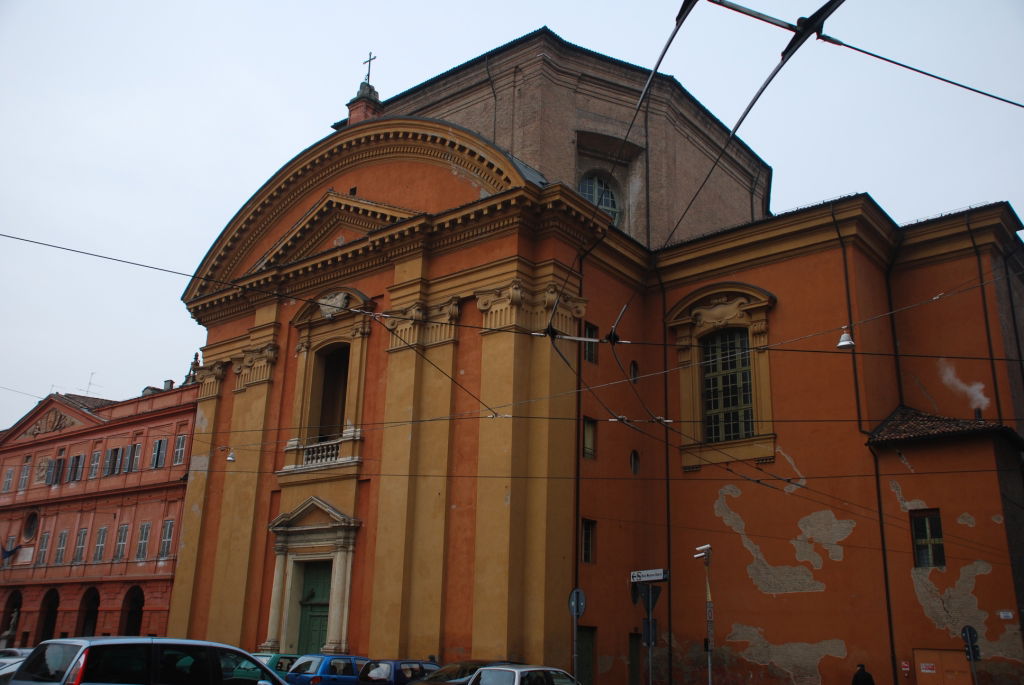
x=316, y=589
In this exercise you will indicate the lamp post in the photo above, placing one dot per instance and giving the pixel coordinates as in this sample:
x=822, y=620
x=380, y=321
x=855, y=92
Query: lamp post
x=704, y=552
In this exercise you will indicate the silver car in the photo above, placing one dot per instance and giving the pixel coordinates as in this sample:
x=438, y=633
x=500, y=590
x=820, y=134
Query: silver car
x=142, y=661
x=521, y=675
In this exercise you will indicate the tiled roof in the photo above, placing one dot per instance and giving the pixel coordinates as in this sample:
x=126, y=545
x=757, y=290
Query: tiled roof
x=85, y=402
x=906, y=424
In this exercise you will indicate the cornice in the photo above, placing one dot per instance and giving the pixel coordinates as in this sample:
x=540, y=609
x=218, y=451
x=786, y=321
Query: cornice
x=992, y=228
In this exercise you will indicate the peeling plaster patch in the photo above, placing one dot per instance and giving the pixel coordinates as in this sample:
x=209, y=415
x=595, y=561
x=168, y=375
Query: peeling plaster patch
x=905, y=461
x=957, y=606
x=824, y=528
x=605, y=663
x=997, y=518
x=904, y=504
x=975, y=392
x=801, y=481
x=966, y=519
x=799, y=659
x=769, y=579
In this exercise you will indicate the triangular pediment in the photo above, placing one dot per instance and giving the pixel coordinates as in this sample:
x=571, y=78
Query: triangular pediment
x=313, y=514
x=54, y=415
x=335, y=220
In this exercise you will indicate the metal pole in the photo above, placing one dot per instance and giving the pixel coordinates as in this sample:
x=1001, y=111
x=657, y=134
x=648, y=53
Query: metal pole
x=650, y=639
x=704, y=552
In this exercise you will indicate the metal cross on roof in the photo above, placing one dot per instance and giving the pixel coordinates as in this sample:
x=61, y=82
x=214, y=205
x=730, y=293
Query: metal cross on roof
x=368, y=64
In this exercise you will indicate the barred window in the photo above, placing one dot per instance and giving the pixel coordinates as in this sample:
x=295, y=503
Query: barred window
x=588, y=541
x=728, y=398
x=926, y=528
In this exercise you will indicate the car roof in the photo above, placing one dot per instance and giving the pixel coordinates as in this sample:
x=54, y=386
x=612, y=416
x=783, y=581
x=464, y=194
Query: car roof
x=123, y=639
x=524, y=667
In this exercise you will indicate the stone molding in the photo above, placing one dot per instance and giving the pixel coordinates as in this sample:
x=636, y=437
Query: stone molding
x=515, y=307
x=422, y=325
x=255, y=365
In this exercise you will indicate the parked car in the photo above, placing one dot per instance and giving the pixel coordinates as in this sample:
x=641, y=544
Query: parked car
x=140, y=660
x=326, y=669
x=8, y=668
x=396, y=671
x=458, y=672
x=521, y=675
x=280, y=663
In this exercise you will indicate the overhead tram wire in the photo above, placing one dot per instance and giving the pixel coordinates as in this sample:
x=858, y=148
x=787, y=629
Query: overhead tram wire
x=835, y=41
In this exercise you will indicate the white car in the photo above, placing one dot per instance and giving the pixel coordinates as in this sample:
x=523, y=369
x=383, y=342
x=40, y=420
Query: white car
x=521, y=675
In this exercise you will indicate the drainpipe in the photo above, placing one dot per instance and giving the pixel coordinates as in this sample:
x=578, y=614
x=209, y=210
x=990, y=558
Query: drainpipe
x=874, y=456
x=985, y=318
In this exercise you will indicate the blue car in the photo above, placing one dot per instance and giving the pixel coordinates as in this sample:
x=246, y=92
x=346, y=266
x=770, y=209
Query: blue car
x=326, y=669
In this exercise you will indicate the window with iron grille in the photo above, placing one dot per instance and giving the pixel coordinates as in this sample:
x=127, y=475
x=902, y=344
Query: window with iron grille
x=179, y=450
x=588, y=541
x=79, y=555
x=926, y=529
x=728, y=398
x=44, y=547
x=62, y=543
x=101, y=544
x=121, y=542
x=166, y=533
x=142, y=547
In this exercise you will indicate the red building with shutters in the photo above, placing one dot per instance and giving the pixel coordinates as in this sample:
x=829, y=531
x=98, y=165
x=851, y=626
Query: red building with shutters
x=90, y=503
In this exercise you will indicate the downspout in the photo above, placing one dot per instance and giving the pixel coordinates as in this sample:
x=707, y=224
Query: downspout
x=1013, y=318
x=892, y=319
x=985, y=318
x=860, y=428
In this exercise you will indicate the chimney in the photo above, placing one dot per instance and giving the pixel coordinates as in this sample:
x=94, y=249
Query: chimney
x=365, y=105
x=168, y=385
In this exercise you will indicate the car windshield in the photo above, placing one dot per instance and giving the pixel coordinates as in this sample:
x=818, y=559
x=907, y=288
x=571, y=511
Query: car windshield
x=48, y=662
x=496, y=676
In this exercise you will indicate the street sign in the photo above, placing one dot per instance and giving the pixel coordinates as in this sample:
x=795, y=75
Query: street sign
x=577, y=602
x=648, y=575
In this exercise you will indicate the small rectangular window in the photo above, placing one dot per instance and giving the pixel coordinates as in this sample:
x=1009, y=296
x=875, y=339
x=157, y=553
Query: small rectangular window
x=54, y=471
x=588, y=541
x=589, y=438
x=159, y=453
x=79, y=555
x=101, y=544
x=590, y=347
x=121, y=542
x=926, y=529
x=166, y=533
x=9, y=550
x=8, y=479
x=75, y=468
x=62, y=543
x=26, y=470
x=142, y=547
x=179, y=450
x=94, y=464
x=112, y=464
x=44, y=547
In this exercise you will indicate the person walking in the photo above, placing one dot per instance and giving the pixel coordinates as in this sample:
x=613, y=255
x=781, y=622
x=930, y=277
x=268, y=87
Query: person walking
x=862, y=677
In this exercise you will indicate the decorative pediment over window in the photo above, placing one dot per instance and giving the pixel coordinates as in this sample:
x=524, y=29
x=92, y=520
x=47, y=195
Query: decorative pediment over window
x=720, y=305
x=312, y=515
x=332, y=305
x=334, y=220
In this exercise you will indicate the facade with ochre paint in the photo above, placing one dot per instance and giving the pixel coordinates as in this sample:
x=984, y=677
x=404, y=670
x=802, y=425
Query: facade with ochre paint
x=471, y=351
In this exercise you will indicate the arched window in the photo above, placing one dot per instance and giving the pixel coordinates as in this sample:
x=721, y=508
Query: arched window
x=600, y=192
x=724, y=382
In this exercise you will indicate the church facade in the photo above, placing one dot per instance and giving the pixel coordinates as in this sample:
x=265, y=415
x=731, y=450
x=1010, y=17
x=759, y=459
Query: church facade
x=472, y=352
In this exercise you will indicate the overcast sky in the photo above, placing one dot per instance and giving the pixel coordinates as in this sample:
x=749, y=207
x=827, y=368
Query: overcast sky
x=137, y=129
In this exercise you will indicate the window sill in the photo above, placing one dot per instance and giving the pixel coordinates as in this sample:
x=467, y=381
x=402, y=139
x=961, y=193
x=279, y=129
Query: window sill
x=760, y=448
